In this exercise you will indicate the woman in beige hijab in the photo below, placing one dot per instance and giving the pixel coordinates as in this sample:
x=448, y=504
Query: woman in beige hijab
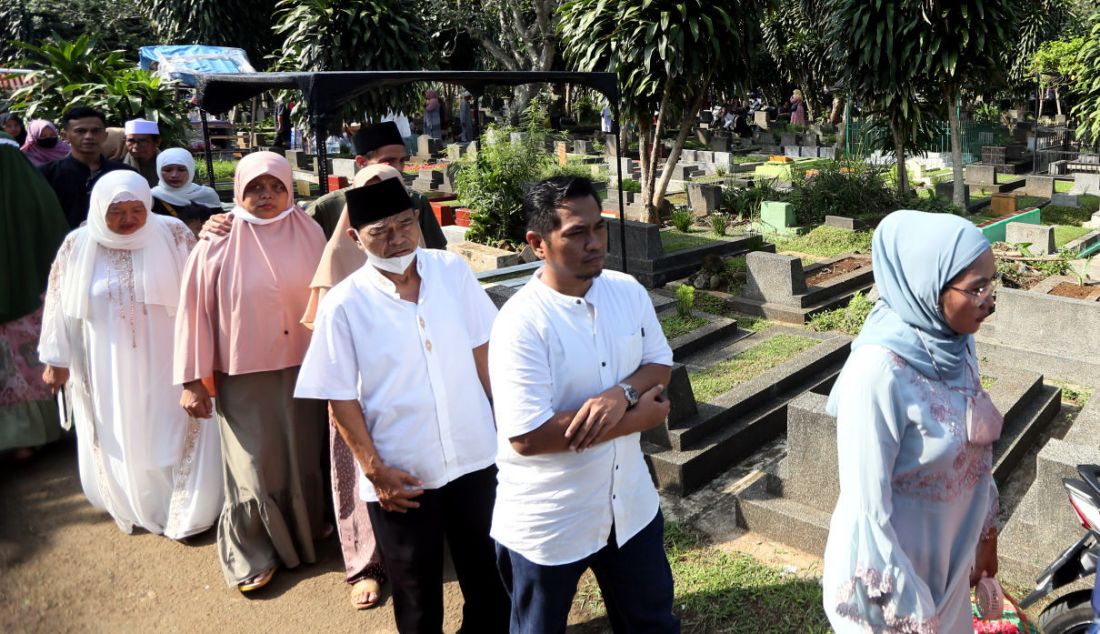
x=114, y=147
x=362, y=560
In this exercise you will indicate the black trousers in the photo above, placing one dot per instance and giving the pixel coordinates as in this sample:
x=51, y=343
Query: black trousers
x=412, y=550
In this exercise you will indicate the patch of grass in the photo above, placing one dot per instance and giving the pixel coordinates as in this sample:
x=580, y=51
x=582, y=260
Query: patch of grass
x=1063, y=187
x=719, y=591
x=847, y=319
x=675, y=325
x=1059, y=215
x=1025, y=202
x=1090, y=202
x=723, y=376
x=223, y=170
x=736, y=264
x=714, y=305
x=1073, y=394
x=1064, y=234
x=673, y=240
x=826, y=242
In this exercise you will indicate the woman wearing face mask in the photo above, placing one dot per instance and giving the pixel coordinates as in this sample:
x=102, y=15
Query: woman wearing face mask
x=107, y=339
x=177, y=194
x=915, y=525
x=362, y=559
x=43, y=145
x=239, y=323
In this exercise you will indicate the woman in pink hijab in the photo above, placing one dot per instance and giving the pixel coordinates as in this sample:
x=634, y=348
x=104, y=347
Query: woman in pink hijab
x=43, y=145
x=243, y=296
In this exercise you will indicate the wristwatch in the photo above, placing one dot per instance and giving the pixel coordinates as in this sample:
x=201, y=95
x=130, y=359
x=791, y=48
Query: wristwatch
x=631, y=395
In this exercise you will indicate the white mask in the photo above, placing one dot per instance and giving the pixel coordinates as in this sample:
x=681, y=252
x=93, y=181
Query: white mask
x=397, y=265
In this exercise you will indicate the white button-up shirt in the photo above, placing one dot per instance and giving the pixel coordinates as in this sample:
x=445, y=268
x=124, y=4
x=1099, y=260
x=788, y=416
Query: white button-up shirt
x=550, y=353
x=411, y=367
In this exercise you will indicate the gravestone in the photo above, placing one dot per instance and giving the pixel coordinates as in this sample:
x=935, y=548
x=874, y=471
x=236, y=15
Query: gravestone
x=1002, y=204
x=704, y=199
x=301, y=188
x=1059, y=119
x=720, y=143
x=482, y=257
x=981, y=175
x=582, y=147
x=760, y=118
x=807, y=151
x=946, y=191
x=1086, y=184
x=344, y=167
x=773, y=278
x=560, y=151
x=844, y=222
x=688, y=155
x=1039, y=186
x=426, y=146
x=777, y=215
x=826, y=152
x=788, y=138
x=611, y=145
x=643, y=240
x=1065, y=200
x=1039, y=237
x=721, y=159
x=792, y=151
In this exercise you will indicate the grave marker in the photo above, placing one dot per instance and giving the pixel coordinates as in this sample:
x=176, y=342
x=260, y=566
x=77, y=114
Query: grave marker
x=1039, y=237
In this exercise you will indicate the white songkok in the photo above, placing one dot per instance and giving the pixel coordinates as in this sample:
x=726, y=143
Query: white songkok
x=142, y=126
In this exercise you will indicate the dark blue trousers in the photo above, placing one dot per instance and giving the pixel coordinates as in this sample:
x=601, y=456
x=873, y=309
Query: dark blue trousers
x=635, y=581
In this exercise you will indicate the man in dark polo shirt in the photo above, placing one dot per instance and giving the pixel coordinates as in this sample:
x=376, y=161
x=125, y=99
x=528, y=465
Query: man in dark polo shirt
x=73, y=177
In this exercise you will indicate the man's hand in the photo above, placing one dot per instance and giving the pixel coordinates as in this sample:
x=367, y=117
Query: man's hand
x=598, y=413
x=196, y=400
x=392, y=486
x=56, y=378
x=216, y=226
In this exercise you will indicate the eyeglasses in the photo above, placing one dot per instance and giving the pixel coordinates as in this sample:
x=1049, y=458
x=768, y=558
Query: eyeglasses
x=983, y=293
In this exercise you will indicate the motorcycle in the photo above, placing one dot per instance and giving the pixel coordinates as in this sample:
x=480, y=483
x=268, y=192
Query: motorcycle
x=1077, y=611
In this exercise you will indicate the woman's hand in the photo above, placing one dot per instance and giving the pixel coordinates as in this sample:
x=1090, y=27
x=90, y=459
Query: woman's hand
x=196, y=400
x=56, y=378
x=985, y=560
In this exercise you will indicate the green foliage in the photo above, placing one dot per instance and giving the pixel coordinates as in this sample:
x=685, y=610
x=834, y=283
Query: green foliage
x=987, y=113
x=79, y=72
x=245, y=24
x=493, y=184
x=1081, y=271
x=1087, y=84
x=329, y=35
x=223, y=171
x=678, y=325
x=1056, y=62
x=1060, y=215
x=630, y=185
x=685, y=300
x=681, y=220
x=847, y=319
x=852, y=189
x=719, y=222
x=793, y=37
x=826, y=242
x=116, y=25
x=744, y=202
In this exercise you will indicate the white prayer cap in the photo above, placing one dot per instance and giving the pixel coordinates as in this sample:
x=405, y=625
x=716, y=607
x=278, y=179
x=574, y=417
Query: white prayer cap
x=142, y=126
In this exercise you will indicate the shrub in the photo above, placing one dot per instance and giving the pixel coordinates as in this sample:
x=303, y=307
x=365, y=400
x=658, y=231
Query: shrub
x=847, y=319
x=681, y=220
x=718, y=223
x=630, y=185
x=685, y=300
x=850, y=189
x=493, y=185
x=744, y=203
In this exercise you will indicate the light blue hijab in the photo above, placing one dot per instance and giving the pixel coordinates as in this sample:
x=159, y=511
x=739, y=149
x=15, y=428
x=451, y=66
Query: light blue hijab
x=915, y=254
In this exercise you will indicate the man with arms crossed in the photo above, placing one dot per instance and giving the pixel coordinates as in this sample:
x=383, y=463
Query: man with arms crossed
x=399, y=350
x=578, y=362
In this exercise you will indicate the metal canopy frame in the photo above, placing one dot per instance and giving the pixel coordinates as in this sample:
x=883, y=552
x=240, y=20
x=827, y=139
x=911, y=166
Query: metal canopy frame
x=326, y=92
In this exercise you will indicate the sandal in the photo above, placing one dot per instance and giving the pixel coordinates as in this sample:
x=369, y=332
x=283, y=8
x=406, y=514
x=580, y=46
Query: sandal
x=257, y=581
x=362, y=592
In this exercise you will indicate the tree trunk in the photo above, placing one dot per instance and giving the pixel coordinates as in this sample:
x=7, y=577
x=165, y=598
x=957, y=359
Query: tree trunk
x=837, y=112
x=677, y=146
x=1042, y=93
x=1057, y=100
x=958, y=194
x=645, y=141
x=899, y=154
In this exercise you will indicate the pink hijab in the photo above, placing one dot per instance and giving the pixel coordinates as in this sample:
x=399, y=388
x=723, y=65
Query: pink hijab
x=36, y=153
x=257, y=164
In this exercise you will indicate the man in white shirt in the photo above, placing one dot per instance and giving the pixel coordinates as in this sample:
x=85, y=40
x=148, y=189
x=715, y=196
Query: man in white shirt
x=578, y=363
x=400, y=350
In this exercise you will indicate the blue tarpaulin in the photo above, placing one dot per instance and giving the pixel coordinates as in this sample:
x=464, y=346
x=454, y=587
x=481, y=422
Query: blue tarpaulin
x=183, y=61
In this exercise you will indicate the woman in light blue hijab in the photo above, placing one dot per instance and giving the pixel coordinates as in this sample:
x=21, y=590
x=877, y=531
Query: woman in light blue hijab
x=915, y=524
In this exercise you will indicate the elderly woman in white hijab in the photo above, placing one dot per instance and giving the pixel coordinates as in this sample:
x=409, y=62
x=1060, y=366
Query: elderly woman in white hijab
x=107, y=344
x=177, y=194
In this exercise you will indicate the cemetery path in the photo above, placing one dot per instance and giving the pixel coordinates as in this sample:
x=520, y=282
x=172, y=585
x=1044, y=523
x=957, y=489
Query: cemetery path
x=65, y=567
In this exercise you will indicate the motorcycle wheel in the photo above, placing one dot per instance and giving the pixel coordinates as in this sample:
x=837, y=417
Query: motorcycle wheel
x=1072, y=614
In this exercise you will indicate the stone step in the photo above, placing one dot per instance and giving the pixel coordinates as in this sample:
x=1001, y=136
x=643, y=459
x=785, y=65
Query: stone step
x=736, y=424
x=762, y=509
x=1028, y=406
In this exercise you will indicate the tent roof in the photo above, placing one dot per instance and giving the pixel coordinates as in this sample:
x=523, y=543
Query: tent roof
x=184, y=62
x=327, y=91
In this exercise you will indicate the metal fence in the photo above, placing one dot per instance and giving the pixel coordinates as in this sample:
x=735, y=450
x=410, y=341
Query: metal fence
x=862, y=135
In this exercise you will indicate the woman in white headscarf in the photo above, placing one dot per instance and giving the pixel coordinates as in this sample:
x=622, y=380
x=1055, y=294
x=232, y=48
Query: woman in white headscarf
x=177, y=194
x=107, y=342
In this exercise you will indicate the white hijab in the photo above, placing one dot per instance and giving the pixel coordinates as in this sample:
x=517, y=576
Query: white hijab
x=158, y=265
x=186, y=194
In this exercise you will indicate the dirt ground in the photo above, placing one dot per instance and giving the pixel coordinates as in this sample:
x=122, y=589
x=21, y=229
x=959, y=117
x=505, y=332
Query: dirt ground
x=66, y=567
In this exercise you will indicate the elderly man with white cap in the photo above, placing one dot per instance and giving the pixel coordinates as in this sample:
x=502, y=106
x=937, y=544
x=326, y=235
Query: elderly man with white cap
x=142, y=146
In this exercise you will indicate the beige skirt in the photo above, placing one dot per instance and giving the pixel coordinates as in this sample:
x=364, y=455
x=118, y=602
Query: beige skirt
x=272, y=448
